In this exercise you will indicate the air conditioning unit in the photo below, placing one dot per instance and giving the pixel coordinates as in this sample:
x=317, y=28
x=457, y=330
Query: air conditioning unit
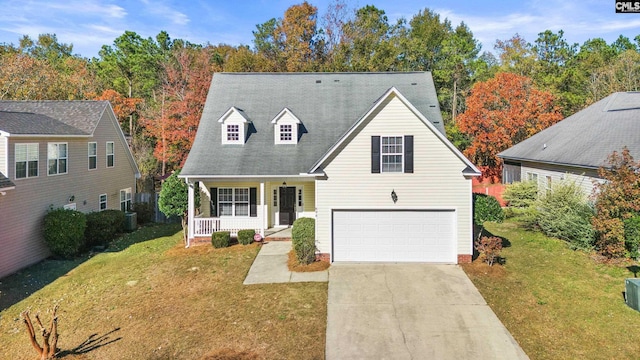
x=632, y=293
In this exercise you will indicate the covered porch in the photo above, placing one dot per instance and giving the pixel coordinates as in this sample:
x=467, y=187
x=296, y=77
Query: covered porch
x=227, y=204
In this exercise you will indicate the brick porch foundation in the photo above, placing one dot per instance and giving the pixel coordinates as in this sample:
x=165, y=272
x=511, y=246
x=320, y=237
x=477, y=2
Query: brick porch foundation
x=464, y=258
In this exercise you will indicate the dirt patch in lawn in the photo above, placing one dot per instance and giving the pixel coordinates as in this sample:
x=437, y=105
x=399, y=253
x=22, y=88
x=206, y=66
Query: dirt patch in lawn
x=294, y=265
x=481, y=268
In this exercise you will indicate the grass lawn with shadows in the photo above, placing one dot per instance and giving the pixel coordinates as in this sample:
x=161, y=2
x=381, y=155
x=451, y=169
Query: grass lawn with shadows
x=556, y=302
x=154, y=299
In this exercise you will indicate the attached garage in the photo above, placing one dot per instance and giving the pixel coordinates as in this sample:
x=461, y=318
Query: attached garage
x=394, y=235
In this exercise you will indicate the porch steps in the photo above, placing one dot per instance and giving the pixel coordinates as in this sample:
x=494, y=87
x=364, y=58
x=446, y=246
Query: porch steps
x=278, y=234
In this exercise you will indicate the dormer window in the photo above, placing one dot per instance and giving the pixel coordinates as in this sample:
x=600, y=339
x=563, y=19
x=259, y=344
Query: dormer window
x=234, y=126
x=233, y=133
x=286, y=127
x=286, y=133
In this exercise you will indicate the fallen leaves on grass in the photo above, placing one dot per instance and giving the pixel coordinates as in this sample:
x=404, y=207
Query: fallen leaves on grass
x=294, y=265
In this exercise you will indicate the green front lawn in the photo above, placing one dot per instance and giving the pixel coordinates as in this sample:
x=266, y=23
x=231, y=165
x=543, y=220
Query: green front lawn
x=556, y=302
x=156, y=300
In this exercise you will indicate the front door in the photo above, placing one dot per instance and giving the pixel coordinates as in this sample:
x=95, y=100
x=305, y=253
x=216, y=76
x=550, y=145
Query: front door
x=287, y=205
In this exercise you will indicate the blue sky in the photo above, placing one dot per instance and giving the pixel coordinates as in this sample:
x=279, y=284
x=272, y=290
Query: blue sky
x=89, y=24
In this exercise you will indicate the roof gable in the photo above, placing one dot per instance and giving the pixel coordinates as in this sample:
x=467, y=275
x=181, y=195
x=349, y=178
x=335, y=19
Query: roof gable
x=470, y=170
x=588, y=137
x=327, y=104
x=230, y=114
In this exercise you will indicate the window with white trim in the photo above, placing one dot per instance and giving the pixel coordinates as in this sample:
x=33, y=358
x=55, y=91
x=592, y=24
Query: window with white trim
x=286, y=132
x=125, y=199
x=93, y=155
x=57, y=158
x=391, y=153
x=233, y=201
x=26, y=160
x=532, y=177
x=111, y=155
x=103, y=202
x=233, y=133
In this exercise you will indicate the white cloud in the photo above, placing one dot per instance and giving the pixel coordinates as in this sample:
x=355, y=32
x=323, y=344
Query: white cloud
x=159, y=8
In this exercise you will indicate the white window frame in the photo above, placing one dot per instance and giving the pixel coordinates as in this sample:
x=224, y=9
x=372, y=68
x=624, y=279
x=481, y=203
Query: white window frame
x=391, y=154
x=125, y=199
x=231, y=196
x=93, y=156
x=286, y=133
x=111, y=154
x=29, y=153
x=233, y=133
x=56, y=158
x=102, y=200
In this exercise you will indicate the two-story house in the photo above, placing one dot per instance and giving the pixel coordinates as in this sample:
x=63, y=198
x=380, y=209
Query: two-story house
x=54, y=154
x=365, y=154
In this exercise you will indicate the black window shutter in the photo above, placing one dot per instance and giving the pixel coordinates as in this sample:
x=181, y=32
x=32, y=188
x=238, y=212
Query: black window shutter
x=375, y=154
x=213, y=203
x=408, y=153
x=253, y=208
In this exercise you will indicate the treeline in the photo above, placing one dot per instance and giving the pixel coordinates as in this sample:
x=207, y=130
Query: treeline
x=158, y=85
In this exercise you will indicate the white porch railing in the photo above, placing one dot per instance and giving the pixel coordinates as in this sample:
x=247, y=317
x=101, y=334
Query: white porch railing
x=207, y=226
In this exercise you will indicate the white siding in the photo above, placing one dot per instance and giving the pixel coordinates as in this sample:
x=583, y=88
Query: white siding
x=4, y=143
x=24, y=208
x=437, y=181
x=308, y=193
x=585, y=178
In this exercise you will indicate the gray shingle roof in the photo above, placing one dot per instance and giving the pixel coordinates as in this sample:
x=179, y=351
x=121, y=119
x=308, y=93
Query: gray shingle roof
x=5, y=182
x=588, y=137
x=327, y=104
x=51, y=117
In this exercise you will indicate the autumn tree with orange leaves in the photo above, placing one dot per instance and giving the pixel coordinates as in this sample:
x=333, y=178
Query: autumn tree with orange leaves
x=502, y=112
x=174, y=119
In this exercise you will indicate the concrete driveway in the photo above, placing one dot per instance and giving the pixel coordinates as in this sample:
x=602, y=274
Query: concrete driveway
x=411, y=311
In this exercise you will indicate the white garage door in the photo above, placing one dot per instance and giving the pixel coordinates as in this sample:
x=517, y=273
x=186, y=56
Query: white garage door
x=394, y=236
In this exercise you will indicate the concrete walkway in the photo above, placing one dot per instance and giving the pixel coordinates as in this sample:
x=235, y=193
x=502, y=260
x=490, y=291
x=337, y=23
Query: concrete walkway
x=411, y=311
x=270, y=266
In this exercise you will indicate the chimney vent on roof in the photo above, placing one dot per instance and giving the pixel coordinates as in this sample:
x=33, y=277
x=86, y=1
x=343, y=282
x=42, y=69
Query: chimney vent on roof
x=414, y=83
x=318, y=81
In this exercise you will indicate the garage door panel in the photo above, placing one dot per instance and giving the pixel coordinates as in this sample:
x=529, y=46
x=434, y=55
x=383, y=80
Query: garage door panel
x=396, y=236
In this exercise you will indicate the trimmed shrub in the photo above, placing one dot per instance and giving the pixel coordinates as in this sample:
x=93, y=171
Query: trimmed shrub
x=489, y=249
x=245, y=237
x=564, y=213
x=303, y=238
x=632, y=236
x=521, y=195
x=486, y=208
x=102, y=226
x=145, y=211
x=64, y=232
x=220, y=239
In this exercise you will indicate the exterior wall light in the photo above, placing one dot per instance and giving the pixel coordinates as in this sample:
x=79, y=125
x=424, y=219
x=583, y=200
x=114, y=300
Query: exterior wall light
x=394, y=196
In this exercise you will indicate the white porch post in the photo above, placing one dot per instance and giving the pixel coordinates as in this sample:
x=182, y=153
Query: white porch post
x=190, y=211
x=264, y=209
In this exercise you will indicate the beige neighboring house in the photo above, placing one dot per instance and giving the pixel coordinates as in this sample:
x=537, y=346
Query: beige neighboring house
x=69, y=154
x=365, y=154
x=576, y=147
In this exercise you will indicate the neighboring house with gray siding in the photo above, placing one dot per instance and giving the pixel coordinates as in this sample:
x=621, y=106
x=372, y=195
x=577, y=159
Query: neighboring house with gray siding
x=69, y=154
x=576, y=147
x=365, y=154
